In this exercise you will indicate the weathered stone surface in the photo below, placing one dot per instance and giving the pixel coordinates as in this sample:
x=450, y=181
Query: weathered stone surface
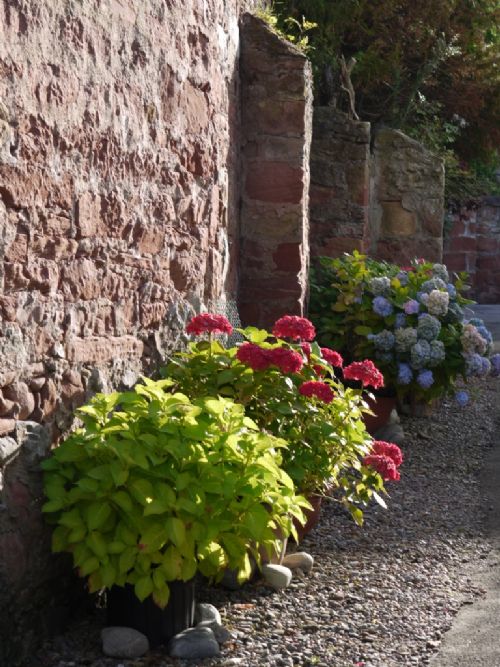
x=120, y=642
x=8, y=447
x=276, y=106
x=206, y=612
x=194, y=644
x=299, y=560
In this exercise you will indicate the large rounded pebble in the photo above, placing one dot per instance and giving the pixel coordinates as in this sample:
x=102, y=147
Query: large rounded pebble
x=194, y=644
x=277, y=576
x=121, y=642
x=222, y=634
x=299, y=560
x=206, y=612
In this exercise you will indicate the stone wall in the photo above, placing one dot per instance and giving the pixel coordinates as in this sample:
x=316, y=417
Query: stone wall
x=276, y=107
x=340, y=183
x=407, y=205
x=472, y=244
x=118, y=213
x=386, y=200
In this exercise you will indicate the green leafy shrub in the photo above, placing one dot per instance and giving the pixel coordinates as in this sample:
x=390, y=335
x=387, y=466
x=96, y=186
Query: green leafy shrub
x=155, y=487
x=273, y=377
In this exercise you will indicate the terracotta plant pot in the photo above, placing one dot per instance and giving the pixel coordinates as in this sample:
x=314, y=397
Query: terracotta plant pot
x=159, y=625
x=382, y=407
x=312, y=516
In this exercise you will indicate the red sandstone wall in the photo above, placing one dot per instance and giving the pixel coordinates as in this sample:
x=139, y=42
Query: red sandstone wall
x=472, y=244
x=118, y=203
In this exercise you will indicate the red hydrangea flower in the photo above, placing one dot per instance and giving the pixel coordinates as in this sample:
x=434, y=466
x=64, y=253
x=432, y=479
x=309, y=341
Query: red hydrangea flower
x=306, y=349
x=319, y=370
x=254, y=356
x=365, y=372
x=208, y=323
x=319, y=389
x=294, y=327
x=388, y=449
x=288, y=361
x=384, y=465
x=332, y=357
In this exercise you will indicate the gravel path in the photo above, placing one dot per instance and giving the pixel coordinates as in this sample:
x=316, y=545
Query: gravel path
x=380, y=596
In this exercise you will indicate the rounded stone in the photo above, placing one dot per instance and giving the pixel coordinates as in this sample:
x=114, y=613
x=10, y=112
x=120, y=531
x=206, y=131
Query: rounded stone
x=122, y=642
x=207, y=612
x=299, y=561
x=277, y=576
x=194, y=644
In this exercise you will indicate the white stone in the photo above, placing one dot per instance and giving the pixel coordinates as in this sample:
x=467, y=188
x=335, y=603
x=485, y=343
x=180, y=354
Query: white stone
x=222, y=634
x=277, y=576
x=299, y=560
x=121, y=642
x=8, y=447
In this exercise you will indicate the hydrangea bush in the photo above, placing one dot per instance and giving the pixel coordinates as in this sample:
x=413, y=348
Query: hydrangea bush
x=289, y=388
x=411, y=320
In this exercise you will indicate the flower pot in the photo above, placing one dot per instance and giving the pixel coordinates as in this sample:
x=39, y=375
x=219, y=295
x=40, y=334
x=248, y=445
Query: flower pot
x=312, y=516
x=382, y=407
x=159, y=625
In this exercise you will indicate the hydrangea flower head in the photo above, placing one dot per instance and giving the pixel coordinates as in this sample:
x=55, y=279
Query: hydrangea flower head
x=306, y=349
x=405, y=339
x=462, y=398
x=365, y=372
x=288, y=361
x=452, y=290
x=428, y=327
x=254, y=356
x=320, y=390
x=432, y=284
x=495, y=365
x=411, y=307
x=382, y=306
x=379, y=286
x=440, y=271
x=437, y=353
x=332, y=357
x=437, y=303
x=405, y=374
x=485, y=333
x=388, y=449
x=384, y=465
x=402, y=276
x=473, y=364
x=208, y=323
x=294, y=327
x=420, y=354
x=400, y=321
x=384, y=340
x=472, y=341
x=425, y=379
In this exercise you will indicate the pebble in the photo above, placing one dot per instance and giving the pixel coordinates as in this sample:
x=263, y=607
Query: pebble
x=121, y=642
x=206, y=612
x=194, y=644
x=221, y=634
x=299, y=560
x=277, y=576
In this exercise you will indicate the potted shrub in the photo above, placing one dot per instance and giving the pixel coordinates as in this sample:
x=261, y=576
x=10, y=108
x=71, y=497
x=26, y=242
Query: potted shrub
x=288, y=386
x=154, y=488
x=410, y=320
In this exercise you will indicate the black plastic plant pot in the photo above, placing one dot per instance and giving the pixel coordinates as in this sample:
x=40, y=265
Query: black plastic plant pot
x=159, y=625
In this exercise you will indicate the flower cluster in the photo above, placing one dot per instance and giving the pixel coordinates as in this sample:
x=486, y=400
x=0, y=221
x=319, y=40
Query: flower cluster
x=294, y=327
x=365, y=372
x=260, y=359
x=385, y=459
x=332, y=357
x=320, y=390
x=410, y=320
x=208, y=323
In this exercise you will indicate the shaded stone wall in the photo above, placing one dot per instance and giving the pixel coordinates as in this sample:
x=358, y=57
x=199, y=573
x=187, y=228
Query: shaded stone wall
x=340, y=183
x=407, y=207
x=473, y=245
x=276, y=108
x=118, y=213
x=386, y=201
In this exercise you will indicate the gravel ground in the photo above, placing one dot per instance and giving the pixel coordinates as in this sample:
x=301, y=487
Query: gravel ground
x=380, y=596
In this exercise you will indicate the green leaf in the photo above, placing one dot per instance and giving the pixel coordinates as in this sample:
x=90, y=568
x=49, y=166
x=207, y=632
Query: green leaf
x=118, y=473
x=143, y=588
x=60, y=539
x=127, y=560
x=123, y=500
x=53, y=505
x=161, y=595
x=189, y=567
x=108, y=575
x=362, y=330
x=245, y=572
x=141, y=490
x=96, y=542
x=97, y=514
x=71, y=519
x=90, y=565
x=171, y=563
x=175, y=530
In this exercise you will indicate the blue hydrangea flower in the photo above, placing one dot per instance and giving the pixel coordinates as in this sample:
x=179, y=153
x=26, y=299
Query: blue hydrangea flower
x=485, y=333
x=384, y=340
x=428, y=327
x=432, y=284
x=425, y=379
x=380, y=286
x=405, y=374
x=403, y=278
x=438, y=353
x=411, y=307
x=452, y=291
x=462, y=398
x=423, y=297
x=382, y=306
x=440, y=271
x=485, y=366
x=495, y=364
x=405, y=338
x=400, y=321
x=420, y=354
x=455, y=312
x=476, y=321
x=473, y=364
